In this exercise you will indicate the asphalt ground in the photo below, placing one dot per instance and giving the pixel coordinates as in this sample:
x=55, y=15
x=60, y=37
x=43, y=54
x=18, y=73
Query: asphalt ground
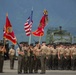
x=8, y=71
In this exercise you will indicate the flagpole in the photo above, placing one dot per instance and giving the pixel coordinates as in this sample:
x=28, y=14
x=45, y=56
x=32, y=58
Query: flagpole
x=40, y=39
x=4, y=41
x=28, y=26
x=19, y=46
x=29, y=39
x=31, y=28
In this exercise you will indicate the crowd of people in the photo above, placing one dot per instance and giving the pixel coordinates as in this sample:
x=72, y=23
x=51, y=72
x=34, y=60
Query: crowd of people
x=42, y=56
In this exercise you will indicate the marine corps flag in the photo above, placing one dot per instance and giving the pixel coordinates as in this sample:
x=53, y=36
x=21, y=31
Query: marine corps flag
x=40, y=30
x=8, y=32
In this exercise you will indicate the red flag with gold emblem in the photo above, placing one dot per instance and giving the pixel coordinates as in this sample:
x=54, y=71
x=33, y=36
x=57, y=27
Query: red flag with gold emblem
x=8, y=32
x=40, y=30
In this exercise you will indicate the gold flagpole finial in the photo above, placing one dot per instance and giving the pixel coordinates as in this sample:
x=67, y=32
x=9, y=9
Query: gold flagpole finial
x=45, y=12
x=6, y=14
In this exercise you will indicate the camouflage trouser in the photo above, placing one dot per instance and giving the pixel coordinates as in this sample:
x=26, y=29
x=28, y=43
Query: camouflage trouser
x=11, y=62
x=20, y=63
x=36, y=64
x=68, y=63
x=54, y=62
x=1, y=63
x=73, y=63
x=43, y=64
x=48, y=62
x=31, y=64
x=61, y=62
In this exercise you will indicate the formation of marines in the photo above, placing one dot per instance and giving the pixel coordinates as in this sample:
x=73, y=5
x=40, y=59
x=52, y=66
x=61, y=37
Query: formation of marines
x=32, y=57
x=50, y=56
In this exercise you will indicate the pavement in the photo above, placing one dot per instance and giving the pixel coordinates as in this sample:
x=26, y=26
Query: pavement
x=8, y=71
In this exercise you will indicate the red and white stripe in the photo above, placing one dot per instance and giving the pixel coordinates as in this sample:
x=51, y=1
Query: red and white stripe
x=28, y=27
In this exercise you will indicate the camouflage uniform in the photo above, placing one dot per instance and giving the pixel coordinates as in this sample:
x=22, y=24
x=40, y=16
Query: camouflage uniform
x=54, y=58
x=36, y=58
x=21, y=61
x=12, y=57
x=25, y=64
x=73, y=57
x=48, y=56
x=2, y=51
x=60, y=57
x=67, y=58
x=30, y=59
x=43, y=57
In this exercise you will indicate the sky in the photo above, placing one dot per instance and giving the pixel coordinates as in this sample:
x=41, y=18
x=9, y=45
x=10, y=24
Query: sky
x=60, y=13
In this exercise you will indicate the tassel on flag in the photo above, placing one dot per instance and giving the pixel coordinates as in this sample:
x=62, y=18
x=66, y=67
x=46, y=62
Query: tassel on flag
x=8, y=32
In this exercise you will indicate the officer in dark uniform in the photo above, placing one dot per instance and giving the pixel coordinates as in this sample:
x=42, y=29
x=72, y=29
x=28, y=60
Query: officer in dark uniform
x=2, y=51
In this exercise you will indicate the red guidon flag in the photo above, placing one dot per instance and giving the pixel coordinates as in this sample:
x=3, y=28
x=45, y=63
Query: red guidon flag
x=40, y=30
x=8, y=32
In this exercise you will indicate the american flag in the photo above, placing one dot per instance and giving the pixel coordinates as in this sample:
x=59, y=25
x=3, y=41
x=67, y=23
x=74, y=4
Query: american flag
x=28, y=25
